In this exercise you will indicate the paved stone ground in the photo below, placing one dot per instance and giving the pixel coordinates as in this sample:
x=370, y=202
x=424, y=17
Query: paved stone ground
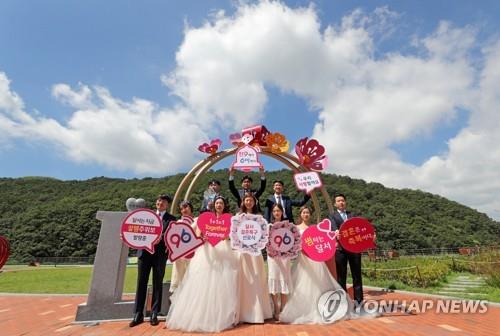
x=54, y=315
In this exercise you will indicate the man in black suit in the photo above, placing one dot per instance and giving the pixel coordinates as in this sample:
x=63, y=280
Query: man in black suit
x=246, y=186
x=286, y=202
x=337, y=218
x=157, y=262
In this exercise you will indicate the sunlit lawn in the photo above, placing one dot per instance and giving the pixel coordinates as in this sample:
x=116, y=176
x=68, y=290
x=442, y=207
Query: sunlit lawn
x=76, y=280
x=58, y=280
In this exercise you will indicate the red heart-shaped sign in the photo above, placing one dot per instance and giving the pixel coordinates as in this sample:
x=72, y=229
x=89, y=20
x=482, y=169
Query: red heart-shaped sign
x=214, y=228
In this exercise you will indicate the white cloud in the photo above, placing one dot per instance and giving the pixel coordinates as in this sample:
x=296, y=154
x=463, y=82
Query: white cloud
x=469, y=171
x=368, y=100
x=79, y=99
x=136, y=135
x=367, y=103
x=12, y=114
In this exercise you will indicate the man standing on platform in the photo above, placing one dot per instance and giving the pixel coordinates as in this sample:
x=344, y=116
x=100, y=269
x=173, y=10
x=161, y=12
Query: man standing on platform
x=157, y=262
x=337, y=218
x=246, y=186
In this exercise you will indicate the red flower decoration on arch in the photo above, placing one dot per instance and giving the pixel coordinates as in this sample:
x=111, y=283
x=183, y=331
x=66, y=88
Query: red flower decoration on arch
x=211, y=148
x=311, y=154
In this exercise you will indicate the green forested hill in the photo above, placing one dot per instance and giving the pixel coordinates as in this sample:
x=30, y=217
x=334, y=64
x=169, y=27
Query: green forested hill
x=48, y=217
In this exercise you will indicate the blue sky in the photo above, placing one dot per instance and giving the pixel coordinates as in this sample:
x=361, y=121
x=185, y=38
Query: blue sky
x=399, y=92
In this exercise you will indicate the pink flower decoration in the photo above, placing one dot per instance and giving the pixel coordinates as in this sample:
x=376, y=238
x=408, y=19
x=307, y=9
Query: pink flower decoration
x=311, y=154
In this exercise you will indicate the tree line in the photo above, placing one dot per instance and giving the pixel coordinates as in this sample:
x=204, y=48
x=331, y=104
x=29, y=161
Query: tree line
x=44, y=217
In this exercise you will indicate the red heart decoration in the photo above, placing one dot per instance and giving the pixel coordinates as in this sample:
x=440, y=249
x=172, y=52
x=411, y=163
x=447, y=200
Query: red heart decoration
x=203, y=147
x=216, y=143
x=214, y=228
x=212, y=148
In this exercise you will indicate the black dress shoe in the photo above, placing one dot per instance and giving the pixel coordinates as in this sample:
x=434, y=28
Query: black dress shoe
x=138, y=319
x=154, y=319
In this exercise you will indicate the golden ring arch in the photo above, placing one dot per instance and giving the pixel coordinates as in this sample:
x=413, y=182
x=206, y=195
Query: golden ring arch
x=189, y=181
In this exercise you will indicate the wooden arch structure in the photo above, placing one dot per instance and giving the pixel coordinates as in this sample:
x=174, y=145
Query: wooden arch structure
x=187, y=184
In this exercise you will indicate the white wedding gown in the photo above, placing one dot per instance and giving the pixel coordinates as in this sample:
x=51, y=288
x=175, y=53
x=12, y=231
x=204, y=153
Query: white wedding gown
x=255, y=302
x=310, y=280
x=280, y=279
x=180, y=266
x=207, y=299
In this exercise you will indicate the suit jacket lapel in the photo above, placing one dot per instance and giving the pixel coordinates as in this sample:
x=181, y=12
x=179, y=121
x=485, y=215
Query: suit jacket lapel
x=338, y=219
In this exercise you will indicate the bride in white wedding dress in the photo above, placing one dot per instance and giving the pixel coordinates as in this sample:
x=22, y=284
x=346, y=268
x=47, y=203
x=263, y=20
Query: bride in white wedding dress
x=207, y=299
x=310, y=280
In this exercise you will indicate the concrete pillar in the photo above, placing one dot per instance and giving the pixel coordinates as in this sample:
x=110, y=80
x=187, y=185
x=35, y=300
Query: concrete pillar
x=105, y=295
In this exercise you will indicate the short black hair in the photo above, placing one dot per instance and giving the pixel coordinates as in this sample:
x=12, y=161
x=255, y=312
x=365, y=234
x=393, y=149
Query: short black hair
x=164, y=197
x=246, y=177
x=339, y=195
x=214, y=182
x=279, y=181
x=186, y=203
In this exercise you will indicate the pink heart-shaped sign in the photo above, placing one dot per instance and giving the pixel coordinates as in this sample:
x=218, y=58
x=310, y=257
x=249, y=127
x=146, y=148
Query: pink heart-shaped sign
x=325, y=225
x=214, y=228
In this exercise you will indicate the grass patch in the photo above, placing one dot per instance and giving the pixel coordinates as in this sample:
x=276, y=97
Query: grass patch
x=76, y=280
x=60, y=280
